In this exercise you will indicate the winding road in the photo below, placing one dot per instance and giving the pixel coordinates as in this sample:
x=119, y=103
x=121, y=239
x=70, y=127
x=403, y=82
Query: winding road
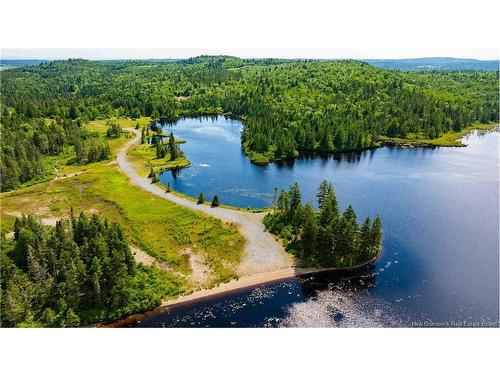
x=262, y=252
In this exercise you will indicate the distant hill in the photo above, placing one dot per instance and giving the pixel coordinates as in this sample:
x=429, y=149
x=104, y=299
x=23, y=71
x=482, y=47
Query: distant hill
x=15, y=63
x=419, y=64
x=435, y=63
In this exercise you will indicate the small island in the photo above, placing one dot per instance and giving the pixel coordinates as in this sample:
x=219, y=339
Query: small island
x=324, y=238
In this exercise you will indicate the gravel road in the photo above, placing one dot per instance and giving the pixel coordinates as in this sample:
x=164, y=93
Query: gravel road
x=262, y=252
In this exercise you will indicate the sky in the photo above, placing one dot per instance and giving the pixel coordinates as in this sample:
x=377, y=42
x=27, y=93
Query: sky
x=366, y=53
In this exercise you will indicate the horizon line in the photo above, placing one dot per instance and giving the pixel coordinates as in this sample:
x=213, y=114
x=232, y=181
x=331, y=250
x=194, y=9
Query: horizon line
x=483, y=54
x=110, y=58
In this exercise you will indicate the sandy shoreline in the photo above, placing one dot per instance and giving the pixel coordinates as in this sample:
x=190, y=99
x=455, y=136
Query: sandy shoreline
x=245, y=282
x=260, y=279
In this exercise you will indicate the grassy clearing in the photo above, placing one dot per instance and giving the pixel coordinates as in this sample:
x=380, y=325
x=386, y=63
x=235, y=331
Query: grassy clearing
x=100, y=126
x=159, y=227
x=450, y=139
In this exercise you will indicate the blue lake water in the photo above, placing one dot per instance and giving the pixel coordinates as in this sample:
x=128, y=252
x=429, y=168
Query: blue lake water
x=440, y=259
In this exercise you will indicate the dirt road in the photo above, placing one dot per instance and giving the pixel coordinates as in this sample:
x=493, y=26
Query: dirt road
x=262, y=252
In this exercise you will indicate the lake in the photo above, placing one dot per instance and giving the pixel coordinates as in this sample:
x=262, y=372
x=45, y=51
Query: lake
x=440, y=261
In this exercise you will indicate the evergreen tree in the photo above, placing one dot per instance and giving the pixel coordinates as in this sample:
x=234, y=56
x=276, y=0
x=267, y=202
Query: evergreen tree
x=151, y=172
x=201, y=198
x=376, y=232
x=215, y=201
x=159, y=150
x=325, y=189
x=155, y=178
x=327, y=202
x=172, y=147
x=295, y=206
x=143, y=136
x=308, y=233
x=95, y=279
x=365, y=240
x=153, y=175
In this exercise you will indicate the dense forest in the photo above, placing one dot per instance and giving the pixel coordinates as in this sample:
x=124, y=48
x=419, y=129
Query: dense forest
x=324, y=238
x=286, y=106
x=79, y=272
x=26, y=142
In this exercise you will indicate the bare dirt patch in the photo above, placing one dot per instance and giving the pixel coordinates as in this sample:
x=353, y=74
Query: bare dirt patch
x=14, y=213
x=200, y=272
x=146, y=259
x=69, y=175
x=51, y=220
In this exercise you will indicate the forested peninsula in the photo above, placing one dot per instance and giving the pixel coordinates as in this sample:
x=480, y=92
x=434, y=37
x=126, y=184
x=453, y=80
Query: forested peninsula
x=287, y=107
x=324, y=238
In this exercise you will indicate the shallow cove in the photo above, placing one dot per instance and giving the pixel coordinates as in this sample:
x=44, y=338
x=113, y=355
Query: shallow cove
x=439, y=264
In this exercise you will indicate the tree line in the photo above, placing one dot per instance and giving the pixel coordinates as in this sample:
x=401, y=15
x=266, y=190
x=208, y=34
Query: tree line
x=79, y=272
x=323, y=238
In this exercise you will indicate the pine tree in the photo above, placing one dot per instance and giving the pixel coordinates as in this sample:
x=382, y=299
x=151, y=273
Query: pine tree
x=325, y=188
x=365, y=239
x=158, y=150
x=295, y=206
x=201, y=198
x=325, y=246
x=350, y=215
x=309, y=232
x=215, y=201
x=283, y=204
x=172, y=147
x=95, y=278
x=376, y=232
x=327, y=203
x=275, y=197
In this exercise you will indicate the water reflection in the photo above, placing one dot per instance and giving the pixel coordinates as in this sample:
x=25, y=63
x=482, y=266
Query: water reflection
x=274, y=305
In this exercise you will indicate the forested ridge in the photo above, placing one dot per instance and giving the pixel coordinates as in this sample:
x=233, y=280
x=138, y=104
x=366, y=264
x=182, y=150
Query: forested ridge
x=286, y=106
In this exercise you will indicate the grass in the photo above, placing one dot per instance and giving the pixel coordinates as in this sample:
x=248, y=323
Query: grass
x=257, y=157
x=100, y=126
x=143, y=157
x=157, y=226
x=208, y=202
x=450, y=139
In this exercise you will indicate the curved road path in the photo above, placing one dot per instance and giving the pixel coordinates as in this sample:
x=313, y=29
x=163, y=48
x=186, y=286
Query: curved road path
x=262, y=252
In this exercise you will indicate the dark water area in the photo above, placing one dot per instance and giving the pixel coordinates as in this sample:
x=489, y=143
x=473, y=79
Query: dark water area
x=440, y=259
